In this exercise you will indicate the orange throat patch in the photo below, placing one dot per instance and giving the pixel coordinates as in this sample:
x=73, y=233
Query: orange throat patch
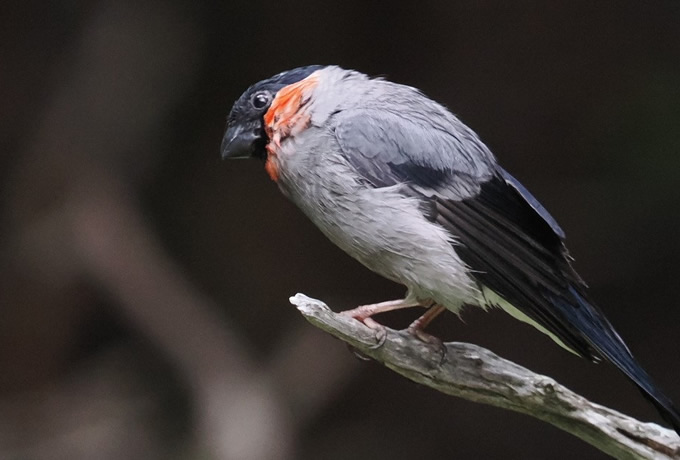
x=286, y=117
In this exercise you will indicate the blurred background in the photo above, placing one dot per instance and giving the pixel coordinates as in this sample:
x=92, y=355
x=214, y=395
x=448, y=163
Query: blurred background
x=144, y=283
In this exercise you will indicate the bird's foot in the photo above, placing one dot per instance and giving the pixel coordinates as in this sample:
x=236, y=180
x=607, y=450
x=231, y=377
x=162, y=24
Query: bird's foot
x=417, y=329
x=364, y=314
x=379, y=329
x=425, y=337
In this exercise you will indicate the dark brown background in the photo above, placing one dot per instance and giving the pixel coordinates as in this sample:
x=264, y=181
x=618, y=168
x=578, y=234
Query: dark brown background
x=144, y=282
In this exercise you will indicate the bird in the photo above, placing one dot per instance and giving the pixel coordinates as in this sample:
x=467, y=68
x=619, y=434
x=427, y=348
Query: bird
x=402, y=185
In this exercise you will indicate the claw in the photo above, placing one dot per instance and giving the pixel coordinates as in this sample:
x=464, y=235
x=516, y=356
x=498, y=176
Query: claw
x=364, y=313
x=417, y=330
x=380, y=332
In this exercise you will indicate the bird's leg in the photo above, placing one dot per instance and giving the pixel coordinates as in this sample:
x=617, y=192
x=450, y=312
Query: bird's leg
x=417, y=327
x=365, y=312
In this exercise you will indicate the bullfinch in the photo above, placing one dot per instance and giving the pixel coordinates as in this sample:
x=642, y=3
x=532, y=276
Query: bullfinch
x=403, y=186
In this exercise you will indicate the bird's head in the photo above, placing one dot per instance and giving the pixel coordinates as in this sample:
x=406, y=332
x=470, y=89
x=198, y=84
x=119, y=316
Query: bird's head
x=245, y=136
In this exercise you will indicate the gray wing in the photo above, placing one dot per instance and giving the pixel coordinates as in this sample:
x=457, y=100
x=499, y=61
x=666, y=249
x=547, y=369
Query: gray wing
x=438, y=155
x=389, y=148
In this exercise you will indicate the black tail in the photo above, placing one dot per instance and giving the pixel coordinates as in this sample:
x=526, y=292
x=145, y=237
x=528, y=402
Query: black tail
x=606, y=342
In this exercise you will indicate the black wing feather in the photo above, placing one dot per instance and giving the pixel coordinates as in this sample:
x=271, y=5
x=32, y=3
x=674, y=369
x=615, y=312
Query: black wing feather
x=529, y=199
x=516, y=252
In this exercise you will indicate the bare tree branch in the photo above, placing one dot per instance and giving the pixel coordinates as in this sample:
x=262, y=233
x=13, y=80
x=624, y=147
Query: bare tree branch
x=476, y=374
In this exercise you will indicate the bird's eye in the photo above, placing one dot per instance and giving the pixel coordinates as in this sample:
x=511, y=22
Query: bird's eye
x=260, y=100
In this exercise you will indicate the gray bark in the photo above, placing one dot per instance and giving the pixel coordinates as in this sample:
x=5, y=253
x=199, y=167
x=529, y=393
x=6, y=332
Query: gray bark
x=476, y=374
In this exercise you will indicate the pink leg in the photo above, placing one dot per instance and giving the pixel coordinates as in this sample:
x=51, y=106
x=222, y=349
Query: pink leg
x=417, y=327
x=364, y=312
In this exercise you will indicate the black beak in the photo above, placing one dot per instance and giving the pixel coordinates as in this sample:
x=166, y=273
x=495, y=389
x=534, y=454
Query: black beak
x=239, y=141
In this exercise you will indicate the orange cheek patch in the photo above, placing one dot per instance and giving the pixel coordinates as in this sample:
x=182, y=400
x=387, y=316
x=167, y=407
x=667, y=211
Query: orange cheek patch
x=284, y=115
x=284, y=112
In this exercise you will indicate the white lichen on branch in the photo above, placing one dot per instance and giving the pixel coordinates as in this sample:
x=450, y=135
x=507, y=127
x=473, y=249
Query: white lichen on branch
x=476, y=374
